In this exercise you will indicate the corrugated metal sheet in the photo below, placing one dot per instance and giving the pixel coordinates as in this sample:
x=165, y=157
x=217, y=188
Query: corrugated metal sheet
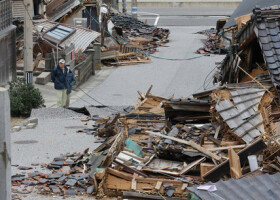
x=18, y=9
x=242, y=115
x=265, y=187
x=81, y=38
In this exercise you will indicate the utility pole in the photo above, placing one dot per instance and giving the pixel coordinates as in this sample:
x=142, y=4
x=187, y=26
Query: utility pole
x=28, y=40
x=5, y=149
x=124, y=6
x=134, y=8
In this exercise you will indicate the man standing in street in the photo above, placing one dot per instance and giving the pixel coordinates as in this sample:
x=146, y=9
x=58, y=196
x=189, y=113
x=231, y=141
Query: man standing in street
x=59, y=79
x=70, y=81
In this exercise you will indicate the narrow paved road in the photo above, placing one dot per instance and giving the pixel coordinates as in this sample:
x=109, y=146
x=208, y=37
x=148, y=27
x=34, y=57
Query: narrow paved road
x=180, y=78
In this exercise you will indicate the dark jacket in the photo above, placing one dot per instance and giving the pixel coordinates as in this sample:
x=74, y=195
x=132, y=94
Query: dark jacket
x=70, y=80
x=59, y=78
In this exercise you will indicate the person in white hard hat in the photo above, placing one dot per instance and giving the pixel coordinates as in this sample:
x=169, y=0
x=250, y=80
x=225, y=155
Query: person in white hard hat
x=59, y=78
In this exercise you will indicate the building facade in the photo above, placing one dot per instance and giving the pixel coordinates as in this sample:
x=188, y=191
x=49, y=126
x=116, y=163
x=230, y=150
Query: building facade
x=7, y=43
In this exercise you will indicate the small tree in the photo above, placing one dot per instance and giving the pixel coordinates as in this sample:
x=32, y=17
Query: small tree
x=24, y=97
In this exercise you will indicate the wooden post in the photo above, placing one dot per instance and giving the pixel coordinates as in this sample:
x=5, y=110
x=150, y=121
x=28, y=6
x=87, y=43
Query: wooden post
x=234, y=163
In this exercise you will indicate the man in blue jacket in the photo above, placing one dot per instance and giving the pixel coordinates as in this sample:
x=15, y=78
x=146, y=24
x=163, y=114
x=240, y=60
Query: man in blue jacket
x=70, y=82
x=59, y=79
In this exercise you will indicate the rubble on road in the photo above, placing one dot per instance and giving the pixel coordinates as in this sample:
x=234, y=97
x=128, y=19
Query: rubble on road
x=188, y=148
x=71, y=175
x=133, y=41
x=210, y=44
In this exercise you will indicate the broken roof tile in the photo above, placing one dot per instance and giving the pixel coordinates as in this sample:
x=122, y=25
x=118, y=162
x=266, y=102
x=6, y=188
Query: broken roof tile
x=242, y=116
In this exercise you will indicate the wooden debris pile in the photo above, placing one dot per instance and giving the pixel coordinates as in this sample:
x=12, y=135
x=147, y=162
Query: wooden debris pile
x=152, y=153
x=211, y=43
x=131, y=37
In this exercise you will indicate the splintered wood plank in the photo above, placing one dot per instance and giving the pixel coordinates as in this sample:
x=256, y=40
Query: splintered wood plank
x=191, y=143
x=234, y=163
x=120, y=174
x=133, y=184
x=158, y=185
x=191, y=165
x=107, y=143
x=217, y=132
x=114, y=150
x=205, y=167
x=185, y=185
x=148, y=91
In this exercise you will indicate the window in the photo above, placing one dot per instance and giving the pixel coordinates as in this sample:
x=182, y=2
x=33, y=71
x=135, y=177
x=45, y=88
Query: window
x=58, y=33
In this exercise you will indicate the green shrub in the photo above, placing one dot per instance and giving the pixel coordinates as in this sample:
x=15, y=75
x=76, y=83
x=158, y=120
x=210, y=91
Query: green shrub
x=24, y=97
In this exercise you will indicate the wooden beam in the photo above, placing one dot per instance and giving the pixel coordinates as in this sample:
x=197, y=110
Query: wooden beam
x=148, y=91
x=107, y=143
x=205, y=167
x=133, y=184
x=228, y=147
x=191, y=165
x=120, y=174
x=142, y=96
x=129, y=169
x=114, y=150
x=37, y=61
x=217, y=132
x=191, y=143
x=234, y=163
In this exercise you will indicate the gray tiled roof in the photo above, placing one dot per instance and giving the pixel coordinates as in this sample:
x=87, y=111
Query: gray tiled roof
x=268, y=32
x=242, y=115
x=265, y=187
